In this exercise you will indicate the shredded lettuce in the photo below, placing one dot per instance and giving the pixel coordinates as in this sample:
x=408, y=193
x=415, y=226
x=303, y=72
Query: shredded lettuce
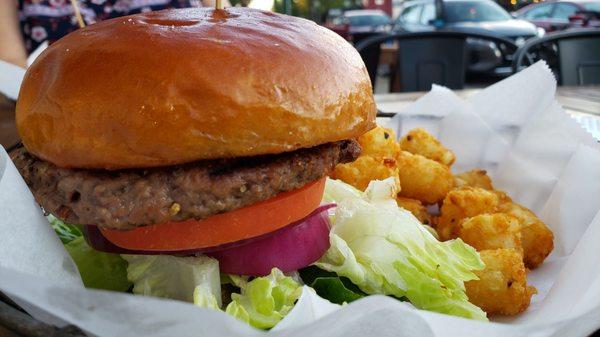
x=174, y=277
x=204, y=298
x=336, y=191
x=97, y=269
x=65, y=232
x=330, y=286
x=262, y=301
x=265, y=300
x=383, y=249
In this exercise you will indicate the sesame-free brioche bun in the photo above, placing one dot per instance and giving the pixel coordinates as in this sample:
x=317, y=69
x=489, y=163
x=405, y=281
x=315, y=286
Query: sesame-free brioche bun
x=178, y=86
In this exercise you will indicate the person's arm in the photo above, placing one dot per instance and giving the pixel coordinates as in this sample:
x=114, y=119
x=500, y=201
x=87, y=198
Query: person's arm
x=12, y=48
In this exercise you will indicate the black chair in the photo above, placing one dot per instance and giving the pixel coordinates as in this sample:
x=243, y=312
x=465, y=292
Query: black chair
x=359, y=37
x=425, y=58
x=573, y=55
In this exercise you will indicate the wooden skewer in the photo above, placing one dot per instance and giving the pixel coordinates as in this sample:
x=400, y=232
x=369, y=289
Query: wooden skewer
x=219, y=4
x=77, y=13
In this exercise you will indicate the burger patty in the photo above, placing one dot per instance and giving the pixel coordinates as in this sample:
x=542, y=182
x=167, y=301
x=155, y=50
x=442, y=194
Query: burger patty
x=127, y=199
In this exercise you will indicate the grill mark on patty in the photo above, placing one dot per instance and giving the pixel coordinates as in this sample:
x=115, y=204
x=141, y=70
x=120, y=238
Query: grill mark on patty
x=130, y=198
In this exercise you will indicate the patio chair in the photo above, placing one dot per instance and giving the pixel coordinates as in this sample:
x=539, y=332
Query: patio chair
x=359, y=37
x=425, y=58
x=573, y=55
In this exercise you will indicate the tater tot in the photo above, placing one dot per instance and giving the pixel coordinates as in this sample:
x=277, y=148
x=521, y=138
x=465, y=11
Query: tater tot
x=416, y=208
x=423, y=179
x=536, y=238
x=492, y=231
x=419, y=141
x=364, y=169
x=474, y=178
x=503, y=197
x=461, y=203
x=379, y=143
x=502, y=286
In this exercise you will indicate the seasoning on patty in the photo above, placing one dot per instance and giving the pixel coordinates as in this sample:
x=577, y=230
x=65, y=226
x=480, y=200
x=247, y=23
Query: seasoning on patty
x=126, y=199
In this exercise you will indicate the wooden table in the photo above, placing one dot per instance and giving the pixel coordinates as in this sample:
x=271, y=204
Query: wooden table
x=8, y=132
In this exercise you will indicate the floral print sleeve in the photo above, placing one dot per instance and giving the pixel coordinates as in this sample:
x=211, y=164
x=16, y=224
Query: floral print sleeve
x=49, y=20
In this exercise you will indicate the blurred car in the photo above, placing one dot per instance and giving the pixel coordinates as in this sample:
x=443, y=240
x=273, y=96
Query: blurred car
x=585, y=19
x=334, y=21
x=471, y=16
x=356, y=23
x=559, y=15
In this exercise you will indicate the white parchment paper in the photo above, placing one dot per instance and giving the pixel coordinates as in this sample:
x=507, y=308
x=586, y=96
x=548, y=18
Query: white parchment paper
x=10, y=79
x=514, y=129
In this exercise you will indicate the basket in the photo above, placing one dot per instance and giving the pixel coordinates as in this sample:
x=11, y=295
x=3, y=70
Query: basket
x=14, y=321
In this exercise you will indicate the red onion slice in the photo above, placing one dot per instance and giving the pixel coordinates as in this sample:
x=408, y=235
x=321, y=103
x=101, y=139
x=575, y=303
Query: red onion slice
x=298, y=244
x=294, y=247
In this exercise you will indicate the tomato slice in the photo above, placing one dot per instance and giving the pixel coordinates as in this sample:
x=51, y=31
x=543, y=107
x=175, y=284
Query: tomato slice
x=241, y=224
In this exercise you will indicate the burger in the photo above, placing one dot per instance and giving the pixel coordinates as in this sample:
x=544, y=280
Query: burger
x=194, y=131
x=185, y=153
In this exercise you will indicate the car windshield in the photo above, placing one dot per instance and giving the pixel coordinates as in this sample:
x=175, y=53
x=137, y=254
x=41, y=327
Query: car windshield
x=592, y=6
x=475, y=11
x=367, y=20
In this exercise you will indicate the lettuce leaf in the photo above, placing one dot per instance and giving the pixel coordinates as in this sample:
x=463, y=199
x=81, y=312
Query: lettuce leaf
x=330, y=286
x=334, y=290
x=383, y=249
x=337, y=190
x=97, y=269
x=179, y=278
x=204, y=298
x=65, y=232
x=262, y=301
x=265, y=300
